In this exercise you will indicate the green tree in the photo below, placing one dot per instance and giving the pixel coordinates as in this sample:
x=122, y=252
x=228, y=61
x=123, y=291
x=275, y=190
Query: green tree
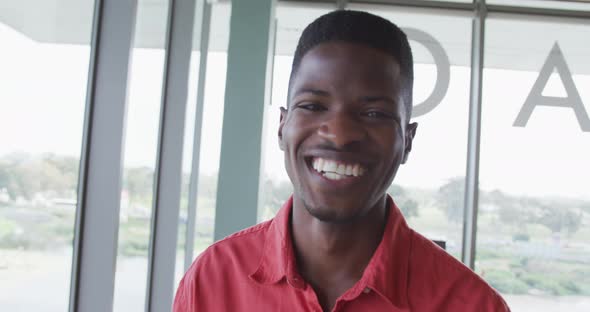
x=407, y=205
x=409, y=208
x=558, y=217
x=24, y=175
x=277, y=192
x=450, y=199
x=139, y=182
x=510, y=210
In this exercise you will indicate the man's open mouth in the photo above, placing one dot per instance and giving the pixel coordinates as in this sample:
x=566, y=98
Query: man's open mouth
x=336, y=170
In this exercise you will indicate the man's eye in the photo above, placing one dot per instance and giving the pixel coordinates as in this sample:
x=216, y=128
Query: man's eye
x=314, y=107
x=377, y=114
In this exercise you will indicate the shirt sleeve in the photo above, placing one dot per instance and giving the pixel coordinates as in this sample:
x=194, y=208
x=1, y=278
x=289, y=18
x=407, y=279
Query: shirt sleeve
x=182, y=298
x=186, y=294
x=498, y=304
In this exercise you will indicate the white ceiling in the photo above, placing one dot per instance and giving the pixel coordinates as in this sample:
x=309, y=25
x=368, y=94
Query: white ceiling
x=512, y=41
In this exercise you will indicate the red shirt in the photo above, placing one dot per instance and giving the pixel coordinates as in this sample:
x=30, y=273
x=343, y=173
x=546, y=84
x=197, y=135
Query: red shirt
x=255, y=270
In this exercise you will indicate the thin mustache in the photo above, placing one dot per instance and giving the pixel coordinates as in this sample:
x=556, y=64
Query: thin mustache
x=328, y=146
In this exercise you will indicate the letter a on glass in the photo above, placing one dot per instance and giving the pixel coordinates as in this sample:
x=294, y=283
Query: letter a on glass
x=556, y=61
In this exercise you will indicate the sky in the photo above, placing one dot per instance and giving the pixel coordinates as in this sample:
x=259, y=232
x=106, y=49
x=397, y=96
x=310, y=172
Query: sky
x=43, y=90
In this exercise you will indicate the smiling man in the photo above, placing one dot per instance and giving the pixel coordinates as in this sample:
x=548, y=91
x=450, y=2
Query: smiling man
x=339, y=243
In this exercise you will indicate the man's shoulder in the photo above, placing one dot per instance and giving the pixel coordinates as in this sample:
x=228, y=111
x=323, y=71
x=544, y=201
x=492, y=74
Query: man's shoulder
x=233, y=259
x=240, y=251
x=244, y=244
x=251, y=234
x=430, y=257
x=439, y=277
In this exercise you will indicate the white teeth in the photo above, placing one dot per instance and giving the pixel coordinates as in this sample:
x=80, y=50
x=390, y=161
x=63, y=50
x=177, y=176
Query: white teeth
x=333, y=176
x=329, y=166
x=341, y=169
x=336, y=171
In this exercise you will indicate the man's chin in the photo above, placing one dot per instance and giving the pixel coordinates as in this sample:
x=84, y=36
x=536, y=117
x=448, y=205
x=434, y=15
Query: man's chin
x=333, y=215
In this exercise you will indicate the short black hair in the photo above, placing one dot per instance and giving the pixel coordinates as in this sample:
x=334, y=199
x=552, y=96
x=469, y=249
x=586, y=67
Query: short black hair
x=360, y=28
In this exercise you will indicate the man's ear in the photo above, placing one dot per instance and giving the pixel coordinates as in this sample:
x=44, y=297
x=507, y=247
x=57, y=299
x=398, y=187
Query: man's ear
x=410, y=134
x=281, y=124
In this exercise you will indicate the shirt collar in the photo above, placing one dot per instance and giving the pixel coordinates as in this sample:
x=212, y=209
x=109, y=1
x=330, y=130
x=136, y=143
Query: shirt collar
x=386, y=273
x=278, y=257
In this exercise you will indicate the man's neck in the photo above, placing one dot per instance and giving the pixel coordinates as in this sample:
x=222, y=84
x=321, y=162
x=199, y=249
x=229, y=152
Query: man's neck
x=333, y=256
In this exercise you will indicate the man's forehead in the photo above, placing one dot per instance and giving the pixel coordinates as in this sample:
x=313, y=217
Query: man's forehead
x=343, y=61
x=336, y=48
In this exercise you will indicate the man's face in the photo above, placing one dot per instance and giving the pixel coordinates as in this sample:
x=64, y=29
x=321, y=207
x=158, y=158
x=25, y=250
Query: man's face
x=345, y=132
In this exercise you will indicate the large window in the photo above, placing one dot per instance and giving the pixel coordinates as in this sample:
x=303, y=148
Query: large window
x=533, y=216
x=43, y=78
x=534, y=209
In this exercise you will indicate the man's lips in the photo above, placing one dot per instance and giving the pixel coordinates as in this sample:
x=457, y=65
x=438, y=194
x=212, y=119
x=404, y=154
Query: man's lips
x=336, y=169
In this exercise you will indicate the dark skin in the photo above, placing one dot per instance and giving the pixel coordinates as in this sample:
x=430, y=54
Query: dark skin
x=345, y=106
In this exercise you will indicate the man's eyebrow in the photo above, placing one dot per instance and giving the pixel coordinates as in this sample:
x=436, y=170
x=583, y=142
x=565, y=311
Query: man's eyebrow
x=311, y=91
x=378, y=98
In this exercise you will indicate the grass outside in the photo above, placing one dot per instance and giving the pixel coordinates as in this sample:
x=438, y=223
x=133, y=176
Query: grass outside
x=529, y=259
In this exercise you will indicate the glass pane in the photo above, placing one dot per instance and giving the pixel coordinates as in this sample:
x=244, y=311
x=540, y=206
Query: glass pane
x=430, y=189
x=44, y=63
x=141, y=140
x=533, y=235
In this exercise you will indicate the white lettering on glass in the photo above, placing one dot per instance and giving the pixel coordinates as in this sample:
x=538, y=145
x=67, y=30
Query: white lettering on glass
x=443, y=70
x=556, y=61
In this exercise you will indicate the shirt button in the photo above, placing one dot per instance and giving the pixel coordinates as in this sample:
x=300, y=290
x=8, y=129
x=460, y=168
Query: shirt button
x=367, y=290
x=295, y=282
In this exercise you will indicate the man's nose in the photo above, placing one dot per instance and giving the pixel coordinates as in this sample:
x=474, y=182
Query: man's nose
x=342, y=128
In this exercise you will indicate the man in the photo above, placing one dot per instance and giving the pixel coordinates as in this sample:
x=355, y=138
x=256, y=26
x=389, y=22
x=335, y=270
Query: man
x=339, y=243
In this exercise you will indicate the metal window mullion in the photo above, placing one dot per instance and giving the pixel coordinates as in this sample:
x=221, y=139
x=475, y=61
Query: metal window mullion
x=194, y=178
x=168, y=173
x=101, y=161
x=418, y=4
x=471, y=202
x=535, y=11
x=246, y=96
